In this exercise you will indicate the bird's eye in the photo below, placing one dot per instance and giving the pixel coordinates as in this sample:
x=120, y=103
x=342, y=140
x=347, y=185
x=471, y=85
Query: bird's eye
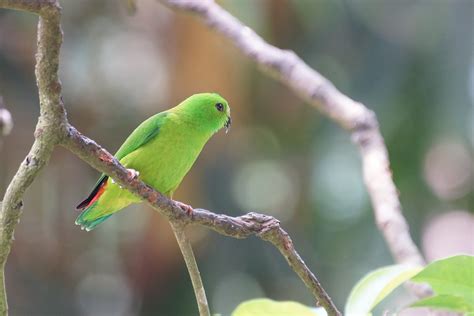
x=220, y=107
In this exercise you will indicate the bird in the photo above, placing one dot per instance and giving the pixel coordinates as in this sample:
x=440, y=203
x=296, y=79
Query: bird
x=160, y=152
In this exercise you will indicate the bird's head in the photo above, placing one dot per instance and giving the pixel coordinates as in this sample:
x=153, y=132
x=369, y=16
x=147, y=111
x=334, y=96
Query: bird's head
x=208, y=110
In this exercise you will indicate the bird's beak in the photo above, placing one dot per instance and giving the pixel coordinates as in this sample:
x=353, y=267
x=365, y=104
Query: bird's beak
x=227, y=124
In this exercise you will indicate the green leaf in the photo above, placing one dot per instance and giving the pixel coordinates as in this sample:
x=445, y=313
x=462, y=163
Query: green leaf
x=267, y=307
x=375, y=286
x=449, y=302
x=451, y=276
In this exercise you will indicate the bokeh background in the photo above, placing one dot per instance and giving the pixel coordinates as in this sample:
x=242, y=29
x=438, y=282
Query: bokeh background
x=412, y=62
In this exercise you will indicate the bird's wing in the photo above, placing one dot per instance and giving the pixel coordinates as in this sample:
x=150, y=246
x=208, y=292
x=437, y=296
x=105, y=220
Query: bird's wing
x=145, y=132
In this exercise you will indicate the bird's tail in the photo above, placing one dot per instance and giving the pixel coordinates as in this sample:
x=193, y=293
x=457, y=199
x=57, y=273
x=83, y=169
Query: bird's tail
x=89, y=223
x=88, y=220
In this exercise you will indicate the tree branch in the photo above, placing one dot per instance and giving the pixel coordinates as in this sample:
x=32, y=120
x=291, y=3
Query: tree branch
x=47, y=135
x=288, y=68
x=267, y=228
x=263, y=226
x=40, y=7
x=191, y=264
x=53, y=129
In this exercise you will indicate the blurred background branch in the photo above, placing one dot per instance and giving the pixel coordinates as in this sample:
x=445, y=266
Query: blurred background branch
x=53, y=129
x=361, y=122
x=282, y=157
x=131, y=6
x=6, y=121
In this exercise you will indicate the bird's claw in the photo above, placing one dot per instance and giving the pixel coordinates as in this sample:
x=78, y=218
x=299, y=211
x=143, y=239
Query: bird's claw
x=132, y=174
x=185, y=207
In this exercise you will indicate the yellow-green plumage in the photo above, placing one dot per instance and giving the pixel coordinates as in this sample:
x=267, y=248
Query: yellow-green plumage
x=162, y=149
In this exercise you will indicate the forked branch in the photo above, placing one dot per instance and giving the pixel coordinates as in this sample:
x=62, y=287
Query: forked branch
x=263, y=226
x=53, y=129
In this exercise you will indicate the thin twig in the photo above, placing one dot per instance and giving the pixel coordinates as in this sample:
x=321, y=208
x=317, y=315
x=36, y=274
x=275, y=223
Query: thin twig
x=353, y=116
x=193, y=269
x=267, y=228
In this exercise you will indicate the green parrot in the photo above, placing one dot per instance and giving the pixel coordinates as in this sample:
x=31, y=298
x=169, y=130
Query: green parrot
x=160, y=151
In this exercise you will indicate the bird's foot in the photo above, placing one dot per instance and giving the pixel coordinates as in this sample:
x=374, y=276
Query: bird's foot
x=185, y=207
x=132, y=174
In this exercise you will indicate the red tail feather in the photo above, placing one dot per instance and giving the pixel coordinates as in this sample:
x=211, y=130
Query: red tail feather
x=95, y=194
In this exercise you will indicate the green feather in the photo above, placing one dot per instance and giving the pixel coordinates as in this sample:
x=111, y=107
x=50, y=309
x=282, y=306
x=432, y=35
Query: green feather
x=163, y=148
x=145, y=132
